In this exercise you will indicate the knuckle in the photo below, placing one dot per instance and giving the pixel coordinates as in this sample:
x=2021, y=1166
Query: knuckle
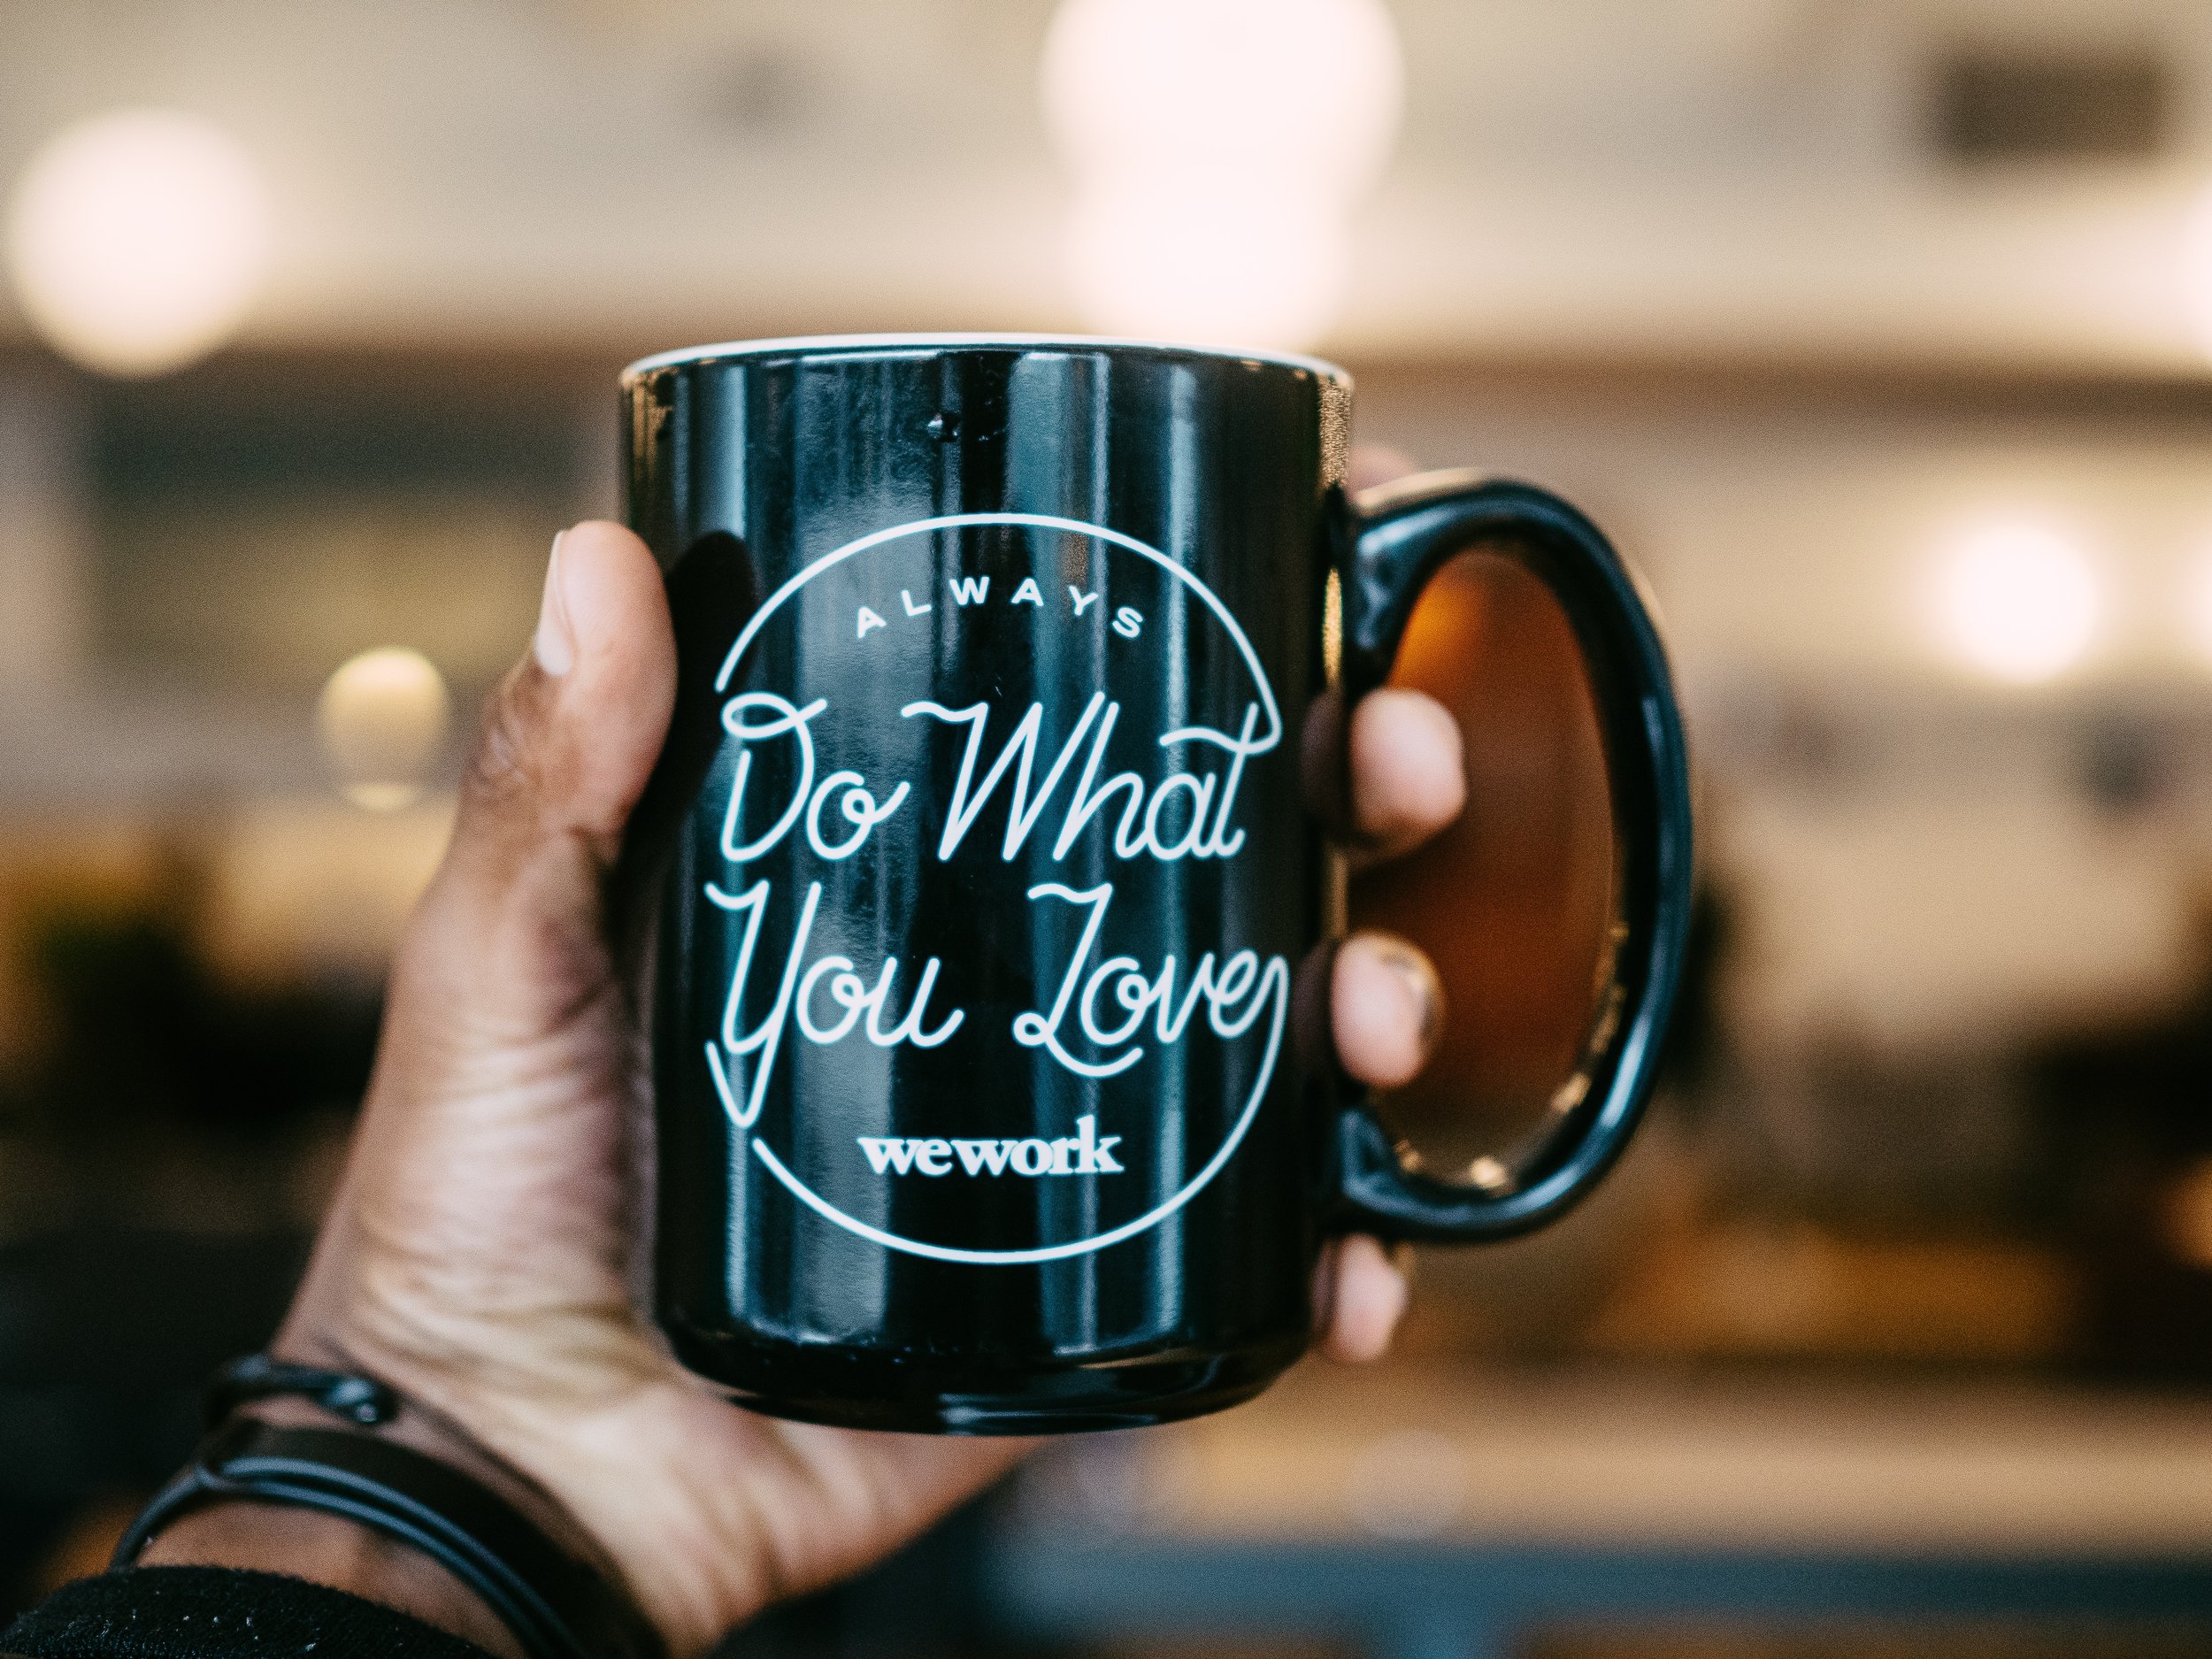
x=502, y=766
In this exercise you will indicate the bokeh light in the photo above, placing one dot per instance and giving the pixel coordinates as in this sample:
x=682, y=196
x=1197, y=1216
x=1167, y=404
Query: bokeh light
x=2196, y=605
x=138, y=241
x=2189, y=1214
x=2196, y=269
x=383, y=718
x=1408, y=1484
x=1305, y=91
x=1201, y=260
x=2016, y=600
x=1218, y=148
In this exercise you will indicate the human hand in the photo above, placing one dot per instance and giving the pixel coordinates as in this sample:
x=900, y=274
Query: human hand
x=479, y=1255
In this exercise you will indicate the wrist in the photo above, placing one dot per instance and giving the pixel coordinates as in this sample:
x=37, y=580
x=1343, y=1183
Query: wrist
x=329, y=1550
x=399, y=1506
x=423, y=1426
x=594, y=1462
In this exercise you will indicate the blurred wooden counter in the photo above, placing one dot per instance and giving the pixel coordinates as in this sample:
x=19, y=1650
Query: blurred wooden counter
x=1444, y=1513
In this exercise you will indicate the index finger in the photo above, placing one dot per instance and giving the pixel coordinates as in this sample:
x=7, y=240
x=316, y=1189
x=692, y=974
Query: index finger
x=1391, y=780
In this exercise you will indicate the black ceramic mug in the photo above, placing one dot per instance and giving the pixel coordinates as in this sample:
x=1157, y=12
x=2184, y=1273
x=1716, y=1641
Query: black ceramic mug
x=981, y=880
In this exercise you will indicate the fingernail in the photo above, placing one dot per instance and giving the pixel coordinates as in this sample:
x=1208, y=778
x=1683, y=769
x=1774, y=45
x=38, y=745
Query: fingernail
x=1420, y=979
x=555, y=646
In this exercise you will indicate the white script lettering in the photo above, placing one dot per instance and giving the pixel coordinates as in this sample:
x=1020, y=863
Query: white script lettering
x=1239, y=978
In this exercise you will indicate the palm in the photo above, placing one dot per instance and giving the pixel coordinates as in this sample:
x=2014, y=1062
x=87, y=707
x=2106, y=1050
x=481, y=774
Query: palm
x=483, y=1254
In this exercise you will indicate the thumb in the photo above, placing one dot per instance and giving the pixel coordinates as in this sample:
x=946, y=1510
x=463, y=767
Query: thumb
x=575, y=727
x=511, y=928
x=487, y=1176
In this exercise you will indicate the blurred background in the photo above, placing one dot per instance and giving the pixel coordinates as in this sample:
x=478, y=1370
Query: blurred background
x=1879, y=332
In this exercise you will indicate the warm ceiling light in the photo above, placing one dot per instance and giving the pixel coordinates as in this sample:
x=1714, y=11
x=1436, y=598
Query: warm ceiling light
x=383, y=718
x=2196, y=605
x=138, y=241
x=1305, y=90
x=1218, y=148
x=2016, y=601
x=1191, y=262
x=2196, y=270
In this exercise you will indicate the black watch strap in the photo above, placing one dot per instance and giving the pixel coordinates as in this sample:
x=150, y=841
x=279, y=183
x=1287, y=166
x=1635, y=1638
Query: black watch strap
x=557, y=1605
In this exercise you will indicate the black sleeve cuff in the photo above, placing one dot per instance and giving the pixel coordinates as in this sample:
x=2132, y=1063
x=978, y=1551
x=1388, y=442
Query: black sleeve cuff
x=219, y=1613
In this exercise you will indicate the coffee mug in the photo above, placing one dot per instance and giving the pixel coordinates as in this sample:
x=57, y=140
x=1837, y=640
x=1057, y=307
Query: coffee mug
x=976, y=897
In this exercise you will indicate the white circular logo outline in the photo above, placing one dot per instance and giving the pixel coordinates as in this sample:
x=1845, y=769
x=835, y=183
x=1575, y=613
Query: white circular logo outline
x=1275, y=978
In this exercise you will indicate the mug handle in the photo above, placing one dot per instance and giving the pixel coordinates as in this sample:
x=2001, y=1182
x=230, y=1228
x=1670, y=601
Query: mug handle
x=1392, y=541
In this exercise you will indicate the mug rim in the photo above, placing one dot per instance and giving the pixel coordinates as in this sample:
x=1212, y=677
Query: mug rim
x=832, y=345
